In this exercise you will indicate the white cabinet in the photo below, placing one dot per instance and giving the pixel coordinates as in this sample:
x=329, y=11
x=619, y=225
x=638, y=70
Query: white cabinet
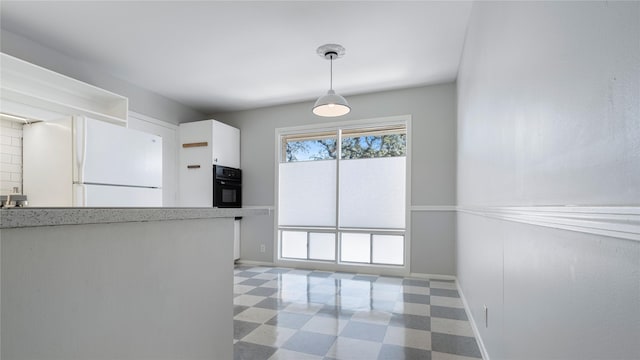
x=37, y=93
x=202, y=145
x=225, y=144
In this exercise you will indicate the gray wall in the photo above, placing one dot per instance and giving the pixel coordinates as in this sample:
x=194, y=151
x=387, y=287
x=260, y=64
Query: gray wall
x=433, y=166
x=548, y=114
x=141, y=100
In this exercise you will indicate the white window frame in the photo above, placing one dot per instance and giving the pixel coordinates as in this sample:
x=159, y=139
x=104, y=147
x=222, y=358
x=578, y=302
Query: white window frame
x=403, y=270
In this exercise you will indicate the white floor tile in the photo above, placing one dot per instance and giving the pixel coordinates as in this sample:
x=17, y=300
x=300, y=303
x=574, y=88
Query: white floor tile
x=299, y=272
x=325, y=325
x=241, y=289
x=257, y=315
x=269, y=335
x=266, y=276
x=453, y=327
x=385, y=295
x=446, y=301
x=412, y=309
x=303, y=308
x=352, y=349
x=415, y=290
x=247, y=300
x=283, y=354
x=389, y=280
x=372, y=316
x=418, y=339
x=342, y=275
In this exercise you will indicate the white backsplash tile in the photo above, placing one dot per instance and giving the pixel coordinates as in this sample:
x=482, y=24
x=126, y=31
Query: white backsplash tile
x=10, y=156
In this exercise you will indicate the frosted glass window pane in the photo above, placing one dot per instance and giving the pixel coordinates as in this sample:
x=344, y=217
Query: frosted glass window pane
x=388, y=249
x=294, y=244
x=355, y=247
x=372, y=193
x=322, y=246
x=307, y=193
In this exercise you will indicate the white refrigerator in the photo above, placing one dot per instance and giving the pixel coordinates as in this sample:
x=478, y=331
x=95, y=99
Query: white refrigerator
x=79, y=161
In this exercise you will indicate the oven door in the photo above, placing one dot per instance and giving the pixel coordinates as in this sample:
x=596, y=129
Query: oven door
x=227, y=194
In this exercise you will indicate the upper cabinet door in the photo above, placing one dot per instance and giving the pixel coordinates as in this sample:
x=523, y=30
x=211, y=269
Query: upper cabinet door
x=225, y=145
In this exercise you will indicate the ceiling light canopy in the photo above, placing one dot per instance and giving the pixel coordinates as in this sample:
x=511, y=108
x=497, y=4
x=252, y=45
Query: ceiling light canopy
x=331, y=104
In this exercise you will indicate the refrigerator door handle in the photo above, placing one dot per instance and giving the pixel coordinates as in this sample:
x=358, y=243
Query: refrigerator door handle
x=80, y=137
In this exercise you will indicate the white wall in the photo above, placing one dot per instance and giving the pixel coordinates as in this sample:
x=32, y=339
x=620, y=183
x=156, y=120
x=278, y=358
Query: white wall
x=433, y=166
x=141, y=100
x=548, y=114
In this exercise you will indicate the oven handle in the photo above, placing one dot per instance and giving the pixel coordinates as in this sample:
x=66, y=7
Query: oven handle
x=230, y=183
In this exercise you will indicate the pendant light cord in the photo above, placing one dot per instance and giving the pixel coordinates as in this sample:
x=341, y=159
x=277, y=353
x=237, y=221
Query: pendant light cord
x=331, y=71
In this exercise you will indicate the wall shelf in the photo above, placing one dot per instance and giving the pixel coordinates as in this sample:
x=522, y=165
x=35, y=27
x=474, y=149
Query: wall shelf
x=34, y=86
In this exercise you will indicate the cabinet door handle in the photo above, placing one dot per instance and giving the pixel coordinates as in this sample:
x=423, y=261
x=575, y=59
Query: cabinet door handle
x=193, y=166
x=195, y=144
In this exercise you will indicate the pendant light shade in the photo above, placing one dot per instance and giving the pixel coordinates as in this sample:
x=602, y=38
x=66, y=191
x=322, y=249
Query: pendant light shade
x=331, y=104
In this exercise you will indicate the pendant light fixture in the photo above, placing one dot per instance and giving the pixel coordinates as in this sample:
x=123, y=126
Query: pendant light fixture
x=331, y=104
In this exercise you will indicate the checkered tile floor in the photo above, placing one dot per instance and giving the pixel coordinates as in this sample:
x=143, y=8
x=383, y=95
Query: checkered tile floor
x=297, y=314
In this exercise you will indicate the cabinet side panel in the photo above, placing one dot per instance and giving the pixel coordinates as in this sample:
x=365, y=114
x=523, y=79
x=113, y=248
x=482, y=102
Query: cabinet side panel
x=47, y=163
x=143, y=290
x=195, y=165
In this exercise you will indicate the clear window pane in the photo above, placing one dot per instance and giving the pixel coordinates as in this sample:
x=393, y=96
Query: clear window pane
x=322, y=246
x=355, y=247
x=374, y=143
x=294, y=244
x=388, y=249
x=309, y=147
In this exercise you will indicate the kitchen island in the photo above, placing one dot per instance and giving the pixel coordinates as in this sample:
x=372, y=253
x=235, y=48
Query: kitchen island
x=117, y=283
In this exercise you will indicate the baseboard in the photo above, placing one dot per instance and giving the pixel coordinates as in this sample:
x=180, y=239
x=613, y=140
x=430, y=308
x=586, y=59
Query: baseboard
x=472, y=321
x=254, y=263
x=419, y=208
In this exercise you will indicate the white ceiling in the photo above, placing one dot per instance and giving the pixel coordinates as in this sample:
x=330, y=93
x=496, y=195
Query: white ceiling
x=219, y=56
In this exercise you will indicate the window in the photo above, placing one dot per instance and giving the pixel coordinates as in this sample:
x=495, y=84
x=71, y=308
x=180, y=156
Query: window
x=309, y=147
x=374, y=143
x=308, y=245
x=342, y=195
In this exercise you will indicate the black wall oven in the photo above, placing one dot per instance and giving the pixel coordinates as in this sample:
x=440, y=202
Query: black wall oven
x=227, y=187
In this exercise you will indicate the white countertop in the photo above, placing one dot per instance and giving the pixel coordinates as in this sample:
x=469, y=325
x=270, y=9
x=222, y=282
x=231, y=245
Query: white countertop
x=33, y=217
